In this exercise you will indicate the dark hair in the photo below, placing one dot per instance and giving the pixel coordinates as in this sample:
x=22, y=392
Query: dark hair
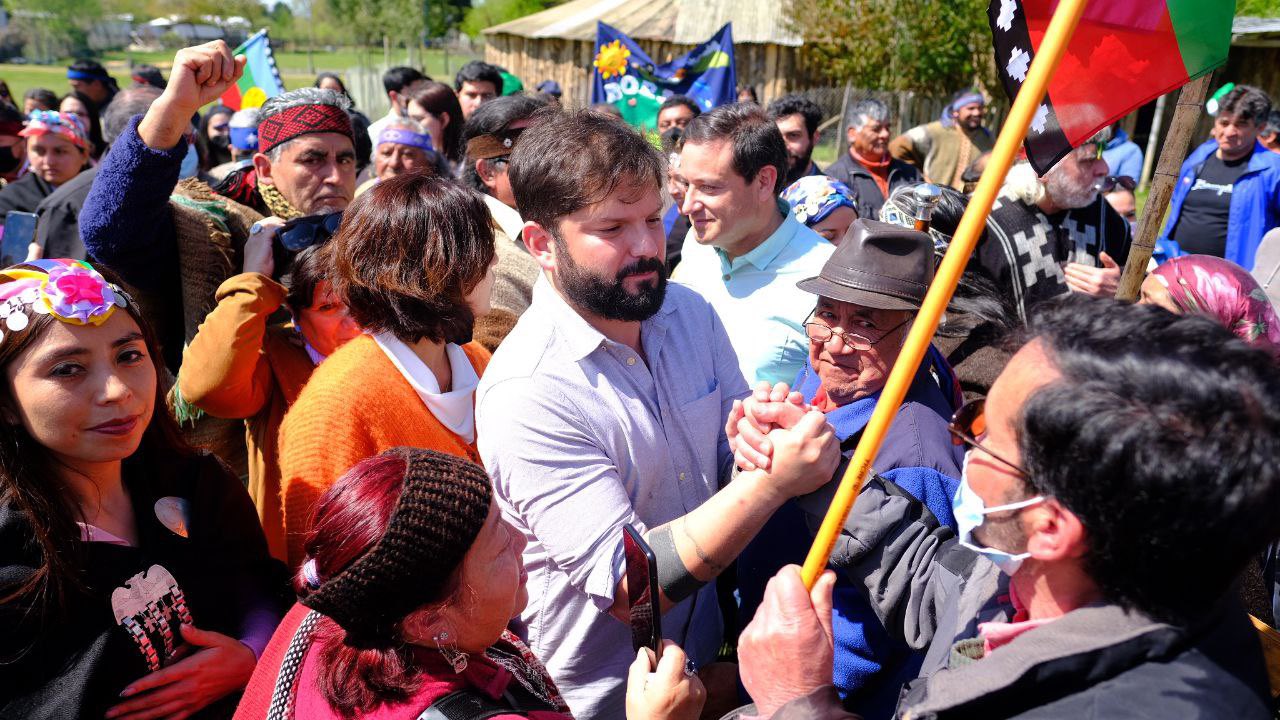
x=681, y=101
x=92, y=67
x=95, y=123
x=494, y=117
x=567, y=160
x=129, y=102
x=750, y=91
x=797, y=105
x=1246, y=103
x=1273, y=123
x=4, y=90
x=478, y=71
x=11, y=114
x=397, y=79
x=28, y=477
x=605, y=108
x=305, y=272
x=438, y=98
x=349, y=519
x=757, y=143
x=321, y=77
x=210, y=156
x=43, y=96
x=407, y=253
x=1161, y=437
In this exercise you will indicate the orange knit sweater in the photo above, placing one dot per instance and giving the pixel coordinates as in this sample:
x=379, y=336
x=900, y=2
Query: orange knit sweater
x=356, y=405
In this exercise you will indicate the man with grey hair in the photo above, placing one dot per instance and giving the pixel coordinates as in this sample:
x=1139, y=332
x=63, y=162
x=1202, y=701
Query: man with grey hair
x=58, y=230
x=175, y=242
x=868, y=168
x=1054, y=234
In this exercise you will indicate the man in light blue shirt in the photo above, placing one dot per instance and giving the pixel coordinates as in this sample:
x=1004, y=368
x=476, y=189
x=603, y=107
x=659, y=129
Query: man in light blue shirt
x=607, y=405
x=746, y=251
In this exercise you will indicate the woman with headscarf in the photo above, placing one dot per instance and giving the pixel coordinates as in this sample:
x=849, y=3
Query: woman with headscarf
x=1218, y=289
x=57, y=149
x=823, y=204
x=410, y=581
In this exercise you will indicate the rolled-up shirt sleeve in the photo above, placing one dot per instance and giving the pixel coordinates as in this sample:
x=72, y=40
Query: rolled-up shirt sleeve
x=552, y=478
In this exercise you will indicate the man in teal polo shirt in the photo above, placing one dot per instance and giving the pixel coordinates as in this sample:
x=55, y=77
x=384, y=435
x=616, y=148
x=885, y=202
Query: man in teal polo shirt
x=745, y=250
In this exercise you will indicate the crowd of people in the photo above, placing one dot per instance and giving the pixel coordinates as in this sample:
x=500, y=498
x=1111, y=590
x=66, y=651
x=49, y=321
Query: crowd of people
x=312, y=416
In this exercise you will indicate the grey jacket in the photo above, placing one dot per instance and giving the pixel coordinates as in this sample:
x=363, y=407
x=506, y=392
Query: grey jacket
x=1095, y=662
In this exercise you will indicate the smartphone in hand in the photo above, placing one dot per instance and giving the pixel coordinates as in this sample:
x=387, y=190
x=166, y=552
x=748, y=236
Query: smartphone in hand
x=642, y=591
x=19, y=233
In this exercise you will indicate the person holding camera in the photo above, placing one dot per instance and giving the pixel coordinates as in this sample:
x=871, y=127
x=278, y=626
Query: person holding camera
x=241, y=366
x=176, y=242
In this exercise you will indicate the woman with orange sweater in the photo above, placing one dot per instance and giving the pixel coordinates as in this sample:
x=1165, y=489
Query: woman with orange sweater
x=412, y=261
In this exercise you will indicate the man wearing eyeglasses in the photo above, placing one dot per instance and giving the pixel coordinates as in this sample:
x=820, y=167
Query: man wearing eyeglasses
x=1054, y=234
x=1103, y=522
x=868, y=294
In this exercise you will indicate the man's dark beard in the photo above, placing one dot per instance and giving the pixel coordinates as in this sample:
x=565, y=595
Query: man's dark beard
x=608, y=297
x=798, y=166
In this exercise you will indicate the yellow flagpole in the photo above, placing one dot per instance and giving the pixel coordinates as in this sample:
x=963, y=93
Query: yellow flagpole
x=1052, y=48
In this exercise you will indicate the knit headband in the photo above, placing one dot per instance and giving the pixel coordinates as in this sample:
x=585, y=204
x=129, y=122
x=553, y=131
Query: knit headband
x=69, y=290
x=403, y=136
x=302, y=120
x=440, y=511
x=64, y=125
x=487, y=147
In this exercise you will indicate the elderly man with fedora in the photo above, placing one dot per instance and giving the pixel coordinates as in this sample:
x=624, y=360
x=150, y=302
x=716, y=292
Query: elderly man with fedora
x=868, y=294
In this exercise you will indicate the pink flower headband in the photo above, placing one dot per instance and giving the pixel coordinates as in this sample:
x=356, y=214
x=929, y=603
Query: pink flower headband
x=64, y=125
x=70, y=290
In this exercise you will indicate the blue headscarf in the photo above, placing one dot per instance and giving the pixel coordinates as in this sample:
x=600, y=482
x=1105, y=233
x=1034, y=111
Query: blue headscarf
x=813, y=197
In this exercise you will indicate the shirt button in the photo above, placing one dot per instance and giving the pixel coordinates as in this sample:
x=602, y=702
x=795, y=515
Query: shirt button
x=681, y=476
x=631, y=361
x=726, y=278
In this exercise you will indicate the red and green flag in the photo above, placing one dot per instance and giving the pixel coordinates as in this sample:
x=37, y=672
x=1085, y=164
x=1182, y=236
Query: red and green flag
x=261, y=78
x=1124, y=54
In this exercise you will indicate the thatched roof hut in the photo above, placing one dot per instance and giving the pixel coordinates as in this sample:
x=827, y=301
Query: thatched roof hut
x=559, y=43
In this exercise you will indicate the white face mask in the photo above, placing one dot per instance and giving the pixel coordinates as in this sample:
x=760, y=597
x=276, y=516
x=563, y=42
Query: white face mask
x=970, y=512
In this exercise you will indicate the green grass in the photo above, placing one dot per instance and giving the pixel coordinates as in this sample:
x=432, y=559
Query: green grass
x=292, y=63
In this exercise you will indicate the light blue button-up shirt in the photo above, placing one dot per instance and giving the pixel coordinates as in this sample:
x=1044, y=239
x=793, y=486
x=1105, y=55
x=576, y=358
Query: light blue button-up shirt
x=582, y=435
x=756, y=296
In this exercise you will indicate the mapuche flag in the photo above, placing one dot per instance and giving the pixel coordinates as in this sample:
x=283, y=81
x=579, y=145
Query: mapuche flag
x=628, y=79
x=261, y=78
x=1124, y=54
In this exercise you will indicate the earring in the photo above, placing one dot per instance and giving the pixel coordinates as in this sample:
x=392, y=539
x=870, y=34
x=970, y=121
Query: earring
x=449, y=649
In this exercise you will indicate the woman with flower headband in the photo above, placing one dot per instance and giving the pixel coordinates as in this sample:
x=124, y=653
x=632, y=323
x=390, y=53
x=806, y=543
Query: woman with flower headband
x=58, y=149
x=134, y=578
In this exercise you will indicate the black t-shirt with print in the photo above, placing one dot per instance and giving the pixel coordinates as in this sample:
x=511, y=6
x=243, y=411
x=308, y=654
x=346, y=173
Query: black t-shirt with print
x=1202, y=227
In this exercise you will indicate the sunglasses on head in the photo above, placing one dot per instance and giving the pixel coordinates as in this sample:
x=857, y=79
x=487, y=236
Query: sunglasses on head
x=970, y=423
x=301, y=233
x=1114, y=181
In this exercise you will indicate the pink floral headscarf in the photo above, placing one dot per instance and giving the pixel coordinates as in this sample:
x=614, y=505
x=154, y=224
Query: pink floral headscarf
x=1224, y=291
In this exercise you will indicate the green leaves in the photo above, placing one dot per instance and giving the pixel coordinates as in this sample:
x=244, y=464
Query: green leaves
x=926, y=46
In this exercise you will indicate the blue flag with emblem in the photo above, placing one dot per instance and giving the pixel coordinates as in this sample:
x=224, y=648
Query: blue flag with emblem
x=627, y=78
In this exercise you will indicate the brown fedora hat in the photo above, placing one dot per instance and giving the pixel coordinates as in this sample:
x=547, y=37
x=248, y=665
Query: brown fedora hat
x=877, y=265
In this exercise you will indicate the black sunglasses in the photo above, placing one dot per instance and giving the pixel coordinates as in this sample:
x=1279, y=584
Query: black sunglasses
x=301, y=233
x=969, y=423
x=1123, y=181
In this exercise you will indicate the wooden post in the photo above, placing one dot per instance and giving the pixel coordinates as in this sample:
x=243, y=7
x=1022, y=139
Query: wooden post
x=1153, y=142
x=1052, y=47
x=1185, y=118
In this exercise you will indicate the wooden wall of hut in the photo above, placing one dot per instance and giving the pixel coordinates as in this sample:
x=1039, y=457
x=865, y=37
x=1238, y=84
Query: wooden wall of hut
x=773, y=70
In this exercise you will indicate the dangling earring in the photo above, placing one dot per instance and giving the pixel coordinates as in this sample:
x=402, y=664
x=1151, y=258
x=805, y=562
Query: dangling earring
x=449, y=649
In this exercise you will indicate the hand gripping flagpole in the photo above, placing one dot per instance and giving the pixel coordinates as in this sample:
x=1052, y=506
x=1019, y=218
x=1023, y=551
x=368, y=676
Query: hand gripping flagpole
x=1052, y=48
